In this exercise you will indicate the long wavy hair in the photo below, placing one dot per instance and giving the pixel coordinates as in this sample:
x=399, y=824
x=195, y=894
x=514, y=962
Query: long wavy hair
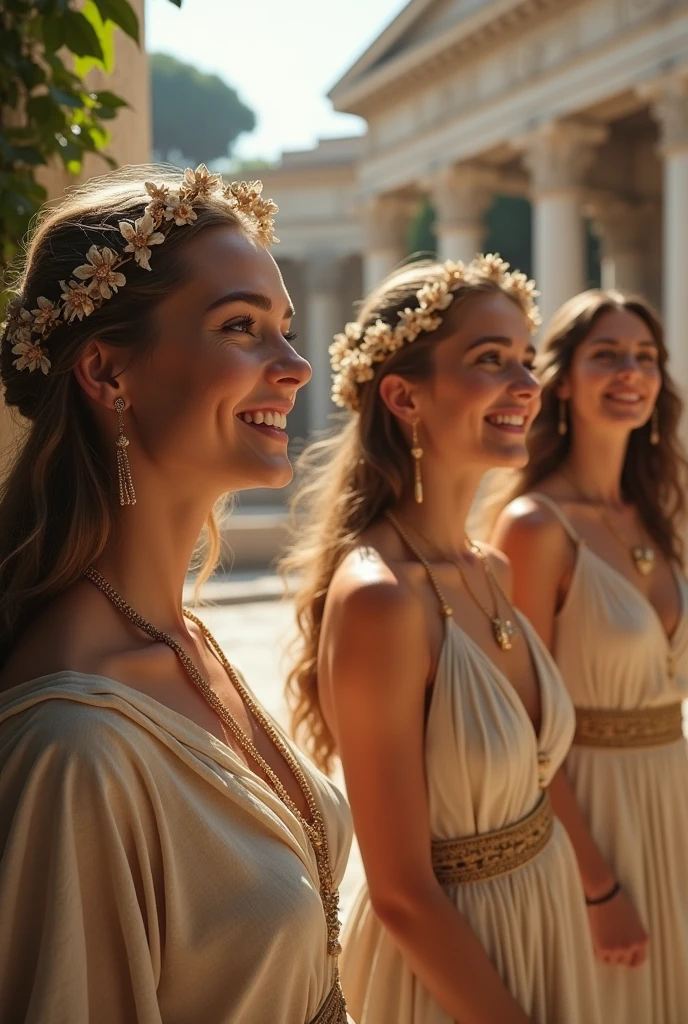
x=654, y=477
x=345, y=483
x=58, y=497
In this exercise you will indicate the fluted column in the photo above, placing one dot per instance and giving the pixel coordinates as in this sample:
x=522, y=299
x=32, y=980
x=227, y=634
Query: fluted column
x=624, y=228
x=461, y=195
x=670, y=108
x=323, y=321
x=386, y=222
x=558, y=156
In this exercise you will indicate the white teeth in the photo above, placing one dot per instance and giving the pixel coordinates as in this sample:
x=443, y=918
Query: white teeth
x=268, y=417
x=512, y=421
x=626, y=397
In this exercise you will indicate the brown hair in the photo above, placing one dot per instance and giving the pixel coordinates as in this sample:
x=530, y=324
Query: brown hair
x=654, y=476
x=57, y=499
x=348, y=480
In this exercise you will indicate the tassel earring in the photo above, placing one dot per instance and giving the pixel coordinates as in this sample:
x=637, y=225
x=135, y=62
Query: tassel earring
x=126, y=487
x=416, y=455
x=562, y=425
x=654, y=427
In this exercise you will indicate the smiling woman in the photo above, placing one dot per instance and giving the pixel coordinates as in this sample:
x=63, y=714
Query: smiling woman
x=448, y=713
x=154, y=822
x=600, y=510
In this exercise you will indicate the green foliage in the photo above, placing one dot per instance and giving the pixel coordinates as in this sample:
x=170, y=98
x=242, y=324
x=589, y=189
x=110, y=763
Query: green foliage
x=46, y=108
x=195, y=115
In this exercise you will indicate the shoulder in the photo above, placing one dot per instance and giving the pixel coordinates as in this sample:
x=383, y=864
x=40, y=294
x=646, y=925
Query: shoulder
x=367, y=589
x=527, y=523
x=69, y=741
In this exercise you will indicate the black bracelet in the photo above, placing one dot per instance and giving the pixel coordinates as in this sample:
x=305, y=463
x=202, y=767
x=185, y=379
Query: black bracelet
x=604, y=899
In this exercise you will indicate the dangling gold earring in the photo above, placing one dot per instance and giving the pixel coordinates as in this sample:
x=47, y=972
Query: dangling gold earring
x=416, y=455
x=654, y=427
x=126, y=487
x=562, y=425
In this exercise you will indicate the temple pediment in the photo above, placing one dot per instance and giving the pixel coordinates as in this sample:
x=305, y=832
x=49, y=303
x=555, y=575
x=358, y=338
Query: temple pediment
x=427, y=38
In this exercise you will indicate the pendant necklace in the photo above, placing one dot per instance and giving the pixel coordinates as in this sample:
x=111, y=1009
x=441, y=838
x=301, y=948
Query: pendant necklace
x=503, y=630
x=642, y=555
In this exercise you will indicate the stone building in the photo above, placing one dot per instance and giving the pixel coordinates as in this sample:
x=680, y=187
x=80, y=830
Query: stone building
x=579, y=105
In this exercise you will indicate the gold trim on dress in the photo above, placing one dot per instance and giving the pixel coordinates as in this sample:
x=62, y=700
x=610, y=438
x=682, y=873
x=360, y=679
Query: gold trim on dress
x=477, y=858
x=333, y=1010
x=640, y=727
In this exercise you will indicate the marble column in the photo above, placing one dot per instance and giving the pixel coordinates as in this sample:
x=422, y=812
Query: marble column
x=670, y=108
x=323, y=321
x=624, y=228
x=558, y=156
x=386, y=222
x=461, y=194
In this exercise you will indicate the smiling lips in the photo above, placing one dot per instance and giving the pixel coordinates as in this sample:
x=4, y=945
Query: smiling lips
x=265, y=417
x=512, y=423
x=627, y=397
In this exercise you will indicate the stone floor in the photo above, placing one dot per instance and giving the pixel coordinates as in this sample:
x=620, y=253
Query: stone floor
x=254, y=636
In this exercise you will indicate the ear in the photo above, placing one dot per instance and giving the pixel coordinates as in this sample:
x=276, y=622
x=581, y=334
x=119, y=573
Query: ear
x=400, y=397
x=98, y=372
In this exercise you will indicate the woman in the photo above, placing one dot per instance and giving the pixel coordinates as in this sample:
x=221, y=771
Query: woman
x=166, y=854
x=447, y=711
x=602, y=518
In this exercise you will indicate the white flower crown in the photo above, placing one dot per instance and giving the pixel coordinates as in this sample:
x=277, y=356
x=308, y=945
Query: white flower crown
x=356, y=351
x=99, y=278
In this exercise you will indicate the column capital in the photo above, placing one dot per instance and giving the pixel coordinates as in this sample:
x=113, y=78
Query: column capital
x=461, y=194
x=385, y=221
x=623, y=224
x=559, y=153
x=668, y=96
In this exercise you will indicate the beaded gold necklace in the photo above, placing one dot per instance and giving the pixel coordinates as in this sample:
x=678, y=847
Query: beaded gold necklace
x=313, y=827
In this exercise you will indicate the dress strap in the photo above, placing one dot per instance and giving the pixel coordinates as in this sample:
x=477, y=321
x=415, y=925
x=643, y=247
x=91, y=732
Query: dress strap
x=445, y=608
x=554, y=507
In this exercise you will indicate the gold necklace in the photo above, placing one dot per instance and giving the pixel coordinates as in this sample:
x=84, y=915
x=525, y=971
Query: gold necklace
x=315, y=828
x=503, y=630
x=642, y=555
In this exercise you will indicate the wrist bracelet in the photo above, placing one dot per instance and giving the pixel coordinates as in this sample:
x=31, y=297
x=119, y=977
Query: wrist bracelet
x=604, y=899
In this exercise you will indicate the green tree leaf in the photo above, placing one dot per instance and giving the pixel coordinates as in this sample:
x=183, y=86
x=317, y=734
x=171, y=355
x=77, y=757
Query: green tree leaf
x=121, y=13
x=80, y=35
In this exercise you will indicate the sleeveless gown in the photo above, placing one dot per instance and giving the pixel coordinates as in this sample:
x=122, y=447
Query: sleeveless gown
x=613, y=652
x=483, y=774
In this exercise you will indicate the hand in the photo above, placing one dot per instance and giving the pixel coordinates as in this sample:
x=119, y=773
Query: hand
x=618, y=934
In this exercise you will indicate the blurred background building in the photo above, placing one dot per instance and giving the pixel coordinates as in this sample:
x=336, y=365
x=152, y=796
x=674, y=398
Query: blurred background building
x=552, y=131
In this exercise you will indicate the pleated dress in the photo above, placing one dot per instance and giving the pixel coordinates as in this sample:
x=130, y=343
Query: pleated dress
x=486, y=769
x=613, y=652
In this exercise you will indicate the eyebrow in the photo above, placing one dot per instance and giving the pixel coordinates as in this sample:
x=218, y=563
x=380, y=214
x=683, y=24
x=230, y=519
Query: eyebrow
x=251, y=299
x=647, y=342
x=495, y=339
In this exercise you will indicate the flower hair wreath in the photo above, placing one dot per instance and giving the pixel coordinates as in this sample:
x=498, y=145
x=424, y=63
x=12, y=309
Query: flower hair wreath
x=356, y=351
x=95, y=281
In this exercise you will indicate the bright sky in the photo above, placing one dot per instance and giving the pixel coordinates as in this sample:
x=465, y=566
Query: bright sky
x=281, y=56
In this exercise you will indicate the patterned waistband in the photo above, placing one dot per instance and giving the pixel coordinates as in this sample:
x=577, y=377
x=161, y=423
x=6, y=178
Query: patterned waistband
x=642, y=727
x=333, y=1010
x=476, y=858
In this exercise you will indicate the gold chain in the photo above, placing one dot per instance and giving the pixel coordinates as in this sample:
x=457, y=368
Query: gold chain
x=642, y=555
x=315, y=828
x=503, y=629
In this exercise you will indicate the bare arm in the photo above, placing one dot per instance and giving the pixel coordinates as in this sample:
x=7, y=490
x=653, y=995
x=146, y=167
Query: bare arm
x=531, y=536
x=377, y=689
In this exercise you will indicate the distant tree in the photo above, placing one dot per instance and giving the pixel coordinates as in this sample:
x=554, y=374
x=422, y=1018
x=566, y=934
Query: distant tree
x=195, y=116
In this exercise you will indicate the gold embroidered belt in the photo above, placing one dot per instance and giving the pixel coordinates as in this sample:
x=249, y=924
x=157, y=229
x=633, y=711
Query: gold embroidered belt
x=642, y=727
x=476, y=858
x=333, y=1010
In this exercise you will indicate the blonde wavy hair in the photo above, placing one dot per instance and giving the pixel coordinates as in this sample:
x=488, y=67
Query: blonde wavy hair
x=58, y=497
x=345, y=482
x=654, y=476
